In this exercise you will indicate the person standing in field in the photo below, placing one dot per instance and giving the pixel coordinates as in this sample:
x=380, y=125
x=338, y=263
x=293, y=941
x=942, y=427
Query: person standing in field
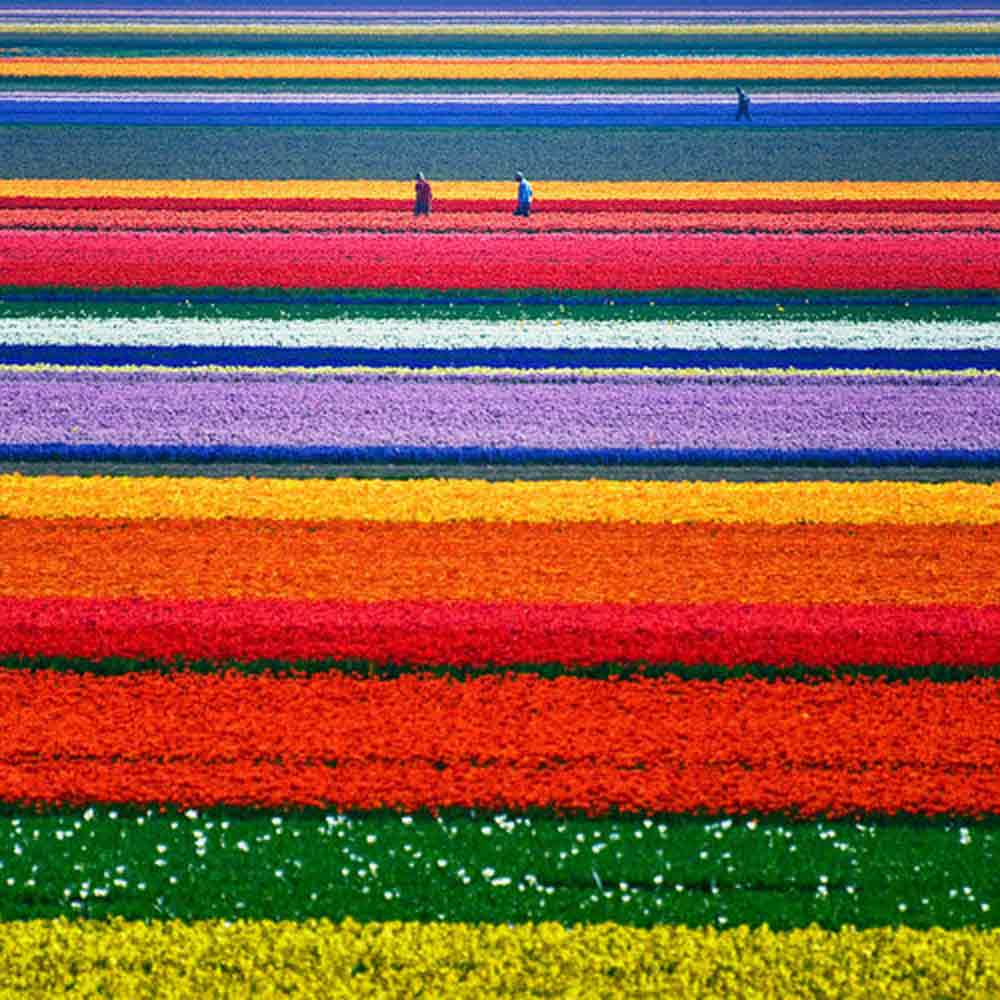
x=422, y=206
x=524, y=195
x=743, y=105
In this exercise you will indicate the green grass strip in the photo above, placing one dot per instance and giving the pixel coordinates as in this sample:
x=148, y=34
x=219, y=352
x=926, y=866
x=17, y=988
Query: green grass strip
x=141, y=864
x=605, y=153
x=118, y=666
x=500, y=307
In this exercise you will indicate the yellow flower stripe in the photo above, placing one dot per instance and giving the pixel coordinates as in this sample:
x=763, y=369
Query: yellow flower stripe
x=208, y=26
x=352, y=960
x=446, y=500
x=707, y=68
x=380, y=188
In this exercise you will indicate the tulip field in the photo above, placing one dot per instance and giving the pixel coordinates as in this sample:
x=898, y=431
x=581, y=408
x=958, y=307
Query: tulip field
x=598, y=602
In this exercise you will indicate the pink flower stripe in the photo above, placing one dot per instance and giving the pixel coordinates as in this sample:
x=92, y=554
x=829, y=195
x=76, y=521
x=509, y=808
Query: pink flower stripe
x=540, y=206
x=436, y=633
x=636, y=261
x=485, y=222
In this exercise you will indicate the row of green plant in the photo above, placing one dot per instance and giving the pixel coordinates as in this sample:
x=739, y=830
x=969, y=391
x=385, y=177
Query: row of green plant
x=117, y=666
x=468, y=866
x=500, y=305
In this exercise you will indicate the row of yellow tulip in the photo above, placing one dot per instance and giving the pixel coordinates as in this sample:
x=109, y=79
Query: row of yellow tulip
x=319, y=958
x=455, y=189
x=449, y=500
x=666, y=27
x=547, y=68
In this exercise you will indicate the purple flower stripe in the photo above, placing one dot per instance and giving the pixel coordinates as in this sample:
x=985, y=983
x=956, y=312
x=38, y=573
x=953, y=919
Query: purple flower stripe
x=778, y=413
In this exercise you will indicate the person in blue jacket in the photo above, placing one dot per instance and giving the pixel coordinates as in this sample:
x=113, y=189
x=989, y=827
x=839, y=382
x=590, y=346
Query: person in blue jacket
x=422, y=204
x=743, y=105
x=523, y=195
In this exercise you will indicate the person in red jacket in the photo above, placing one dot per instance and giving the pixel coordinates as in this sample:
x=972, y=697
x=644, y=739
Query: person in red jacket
x=422, y=206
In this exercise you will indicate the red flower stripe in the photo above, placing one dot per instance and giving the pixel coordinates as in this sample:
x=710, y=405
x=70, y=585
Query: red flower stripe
x=593, y=788
x=631, y=262
x=401, y=221
x=424, y=632
x=515, y=742
x=584, y=563
x=540, y=206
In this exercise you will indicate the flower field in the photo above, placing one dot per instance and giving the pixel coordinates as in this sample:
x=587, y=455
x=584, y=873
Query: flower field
x=601, y=602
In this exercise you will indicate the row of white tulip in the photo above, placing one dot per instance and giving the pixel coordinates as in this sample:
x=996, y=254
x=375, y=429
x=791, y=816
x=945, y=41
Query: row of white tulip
x=451, y=334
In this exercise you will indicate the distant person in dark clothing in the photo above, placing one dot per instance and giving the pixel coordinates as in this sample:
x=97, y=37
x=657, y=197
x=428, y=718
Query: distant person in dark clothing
x=524, y=194
x=422, y=206
x=743, y=105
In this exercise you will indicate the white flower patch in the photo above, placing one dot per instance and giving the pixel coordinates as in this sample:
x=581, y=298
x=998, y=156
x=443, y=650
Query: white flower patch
x=450, y=334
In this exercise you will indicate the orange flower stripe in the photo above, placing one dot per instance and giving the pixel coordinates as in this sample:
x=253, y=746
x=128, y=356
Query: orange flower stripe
x=515, y=720
x=561, y=562
x=458, y=190
x=497, y=742
x=707, y=68
x=447, y=500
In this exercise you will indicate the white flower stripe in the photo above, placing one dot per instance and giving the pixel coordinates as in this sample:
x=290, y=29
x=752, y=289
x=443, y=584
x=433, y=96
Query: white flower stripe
x=450, y=334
